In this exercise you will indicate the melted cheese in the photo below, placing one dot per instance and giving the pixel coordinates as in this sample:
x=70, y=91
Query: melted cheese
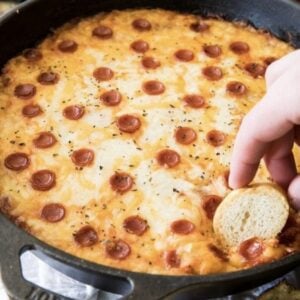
x=159, y=195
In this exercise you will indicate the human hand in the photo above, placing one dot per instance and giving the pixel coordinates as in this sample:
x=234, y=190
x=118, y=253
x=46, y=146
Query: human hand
x=270, y=130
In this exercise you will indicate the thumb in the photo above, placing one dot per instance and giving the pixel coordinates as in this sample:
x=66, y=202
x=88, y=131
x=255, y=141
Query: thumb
x=294, y=192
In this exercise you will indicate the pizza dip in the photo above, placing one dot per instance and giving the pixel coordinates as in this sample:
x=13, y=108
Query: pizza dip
x=116, y=136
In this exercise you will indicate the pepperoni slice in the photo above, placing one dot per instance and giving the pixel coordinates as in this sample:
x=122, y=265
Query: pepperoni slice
x=44, y=140
x=255, y=69
x=212, y=73
x=86, y=236
x=103, y=32
x=153, y=87
x=215, y=138
x=103, y=74
x=212, y=51
x=43, y=180
x=210, y=204
x=185, y=135
x=117, y=249
x=31, y=110
x=83, y=157
x=150, y=62
x=269, y=60
x=73, y=112
x=121, y=182
x=25, y=91
x=141, y=25
x=17, y=161
x=128, y=123
x=135, y=225
x=251, y=248
x=140, y=46
x=172, y=259
x=111, y=98
x=182, y=227
x=68, y=46
x=236, y=88
x=184, y=55
x=199, y=26
x=288, y=236
x=32, y=55
x=53, y=212
x=239, y=47
x=48, y=78
x=218, y=252
x=168, y=158
x=194, y=101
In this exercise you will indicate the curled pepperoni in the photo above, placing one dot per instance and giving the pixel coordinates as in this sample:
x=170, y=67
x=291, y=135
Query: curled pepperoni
x=128, y=123
x=135, y=225
x=25, y=91
x=32, y=54
x=218, y=252
x=251, y=248
x=153, y=87
x=121, y=182
x=255, y=70
x=43, y=180
x=269, y=60
x=239, y=47
x=117, y=249
x=212, y=73
x=53, y=212
x=199, y=26
x=141, y=25
x=212, y=51
x=182, y=227
x=185, y=135
x=236, y=88
x=44, y=140
x=172, y=259
x=103, y=74
x=184, y=55
x=140, y=46
x=150, y=62
x=48, y=78
x=216, y=138
x=102, y=32
x=74, y=112
x=31, y=110
x=210, y=204
x=17, y=161
x=68, y=46
x=111, y=98
x=194, y=101
x=83, y=157
x=168, y=158
x=86, y=236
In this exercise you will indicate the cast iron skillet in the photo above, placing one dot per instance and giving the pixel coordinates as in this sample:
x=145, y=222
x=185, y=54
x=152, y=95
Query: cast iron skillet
x=32, y=21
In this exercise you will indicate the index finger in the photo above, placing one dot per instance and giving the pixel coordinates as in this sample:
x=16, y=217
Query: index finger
x=265, y=123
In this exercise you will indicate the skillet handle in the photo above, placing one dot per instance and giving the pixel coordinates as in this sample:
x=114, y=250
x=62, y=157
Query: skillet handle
x=11, y=247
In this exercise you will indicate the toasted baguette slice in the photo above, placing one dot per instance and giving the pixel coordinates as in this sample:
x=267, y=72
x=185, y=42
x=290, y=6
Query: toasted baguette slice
x=257, y=211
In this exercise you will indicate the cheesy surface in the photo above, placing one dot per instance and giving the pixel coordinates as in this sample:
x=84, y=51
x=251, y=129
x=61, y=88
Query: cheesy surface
x=154, y=220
